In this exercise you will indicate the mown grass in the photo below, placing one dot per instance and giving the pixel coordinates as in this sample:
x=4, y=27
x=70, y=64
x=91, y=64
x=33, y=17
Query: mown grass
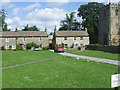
x=62, y=72
x=19, y=57
x=98, y=54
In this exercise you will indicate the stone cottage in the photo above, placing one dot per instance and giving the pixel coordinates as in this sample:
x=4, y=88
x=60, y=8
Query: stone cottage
x=12, y=38
x=70, y=38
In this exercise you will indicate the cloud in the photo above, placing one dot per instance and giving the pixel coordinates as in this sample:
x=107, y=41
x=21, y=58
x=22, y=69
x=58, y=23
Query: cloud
x=39, y=17
x=48, y=17
x=56, y=3
x=15, y=12
x=100, y=1
x=31, y=6
x=5, y=4
x=21, y=10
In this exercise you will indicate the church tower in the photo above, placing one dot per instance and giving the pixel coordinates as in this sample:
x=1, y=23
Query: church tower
x=108, y=25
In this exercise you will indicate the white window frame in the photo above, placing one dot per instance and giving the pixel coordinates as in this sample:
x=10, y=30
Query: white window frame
x=13, y=46
x=24, y=39
x=81, y=38
x=40, y=39
x=7, y=39
x=65, y=38
x=74, y=38
x=7, y=46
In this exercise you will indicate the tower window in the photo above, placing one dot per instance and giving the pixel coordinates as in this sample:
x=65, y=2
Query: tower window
x=116, y=12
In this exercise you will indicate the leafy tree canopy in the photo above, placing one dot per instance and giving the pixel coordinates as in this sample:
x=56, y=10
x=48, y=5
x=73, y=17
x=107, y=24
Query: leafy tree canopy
x=3, y=24
x=51, y=33
x=33, y=28
x=70, y=23
x=90, y=16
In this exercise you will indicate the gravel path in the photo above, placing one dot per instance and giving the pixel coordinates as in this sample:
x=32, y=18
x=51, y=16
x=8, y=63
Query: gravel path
x=92, y=58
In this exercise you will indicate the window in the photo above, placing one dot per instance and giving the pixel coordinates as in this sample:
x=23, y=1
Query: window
x=13, y=46
x=7, y=39
x=116, y=12
x=40, y=39
x=40, y=45
x=65, y=38
x=7, y=46
x=81, y=38
x=74, y=38
x=24, y=39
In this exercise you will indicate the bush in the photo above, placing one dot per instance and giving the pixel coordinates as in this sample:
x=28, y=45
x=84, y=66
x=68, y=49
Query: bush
x=66, y=47
x=18, y=47
x=79, y=48
x=92, y=46
x=10, y=47
x=30, y=45
x=2, y=48
x=45, y=48
x=35, y=45
x=50, y=46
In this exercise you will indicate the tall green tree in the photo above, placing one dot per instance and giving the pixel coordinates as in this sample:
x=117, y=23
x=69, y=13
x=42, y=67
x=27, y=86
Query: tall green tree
x=90, y=16
x=70, y=23
x=3, y=24
x=33, y=28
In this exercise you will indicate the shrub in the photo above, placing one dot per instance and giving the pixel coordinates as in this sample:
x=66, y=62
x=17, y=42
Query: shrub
x=79, y=48
x=66, y=47
x=92, y=46
x=50, y=46
x=29, y=45
x=18, y=47
x=10, y=47
x=45, y=48
x=35, y=45
x=2, y=48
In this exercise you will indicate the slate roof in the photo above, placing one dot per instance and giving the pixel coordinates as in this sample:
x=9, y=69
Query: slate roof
x=23, y=33
x=71, y=33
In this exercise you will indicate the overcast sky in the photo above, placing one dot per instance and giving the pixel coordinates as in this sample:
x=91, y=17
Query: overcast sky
x=41, y=14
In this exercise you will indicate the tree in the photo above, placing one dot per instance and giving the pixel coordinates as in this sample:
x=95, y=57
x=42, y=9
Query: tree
x=33, y=28
x=3, y=24
x=51, y=33
x=90, y=16
x=70, y=23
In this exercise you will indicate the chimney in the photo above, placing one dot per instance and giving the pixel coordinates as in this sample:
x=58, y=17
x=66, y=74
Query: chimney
x=45, y=29
x=16, y=29
x=86, y=30
x=55, y=29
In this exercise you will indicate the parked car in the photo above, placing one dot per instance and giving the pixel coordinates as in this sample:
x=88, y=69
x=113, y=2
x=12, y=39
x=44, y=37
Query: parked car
x=59, y=49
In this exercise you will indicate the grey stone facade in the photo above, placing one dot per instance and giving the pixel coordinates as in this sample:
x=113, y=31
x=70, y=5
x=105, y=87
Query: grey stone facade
x=109, y=25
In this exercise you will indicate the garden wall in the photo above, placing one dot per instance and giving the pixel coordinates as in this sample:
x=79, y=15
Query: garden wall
x=113, y=49
x=69, y=49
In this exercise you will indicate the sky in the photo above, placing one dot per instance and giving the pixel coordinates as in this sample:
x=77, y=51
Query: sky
x=47, y=13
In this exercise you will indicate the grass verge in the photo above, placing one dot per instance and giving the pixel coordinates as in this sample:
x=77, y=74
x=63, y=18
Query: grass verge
x=97, y=54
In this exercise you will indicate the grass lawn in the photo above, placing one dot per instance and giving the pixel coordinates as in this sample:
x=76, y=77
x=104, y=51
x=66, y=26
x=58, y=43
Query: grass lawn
x=62, y=72
x=97, y=54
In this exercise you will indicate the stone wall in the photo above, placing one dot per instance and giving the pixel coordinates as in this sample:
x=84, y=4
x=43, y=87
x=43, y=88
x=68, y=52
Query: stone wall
x=112, y=49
